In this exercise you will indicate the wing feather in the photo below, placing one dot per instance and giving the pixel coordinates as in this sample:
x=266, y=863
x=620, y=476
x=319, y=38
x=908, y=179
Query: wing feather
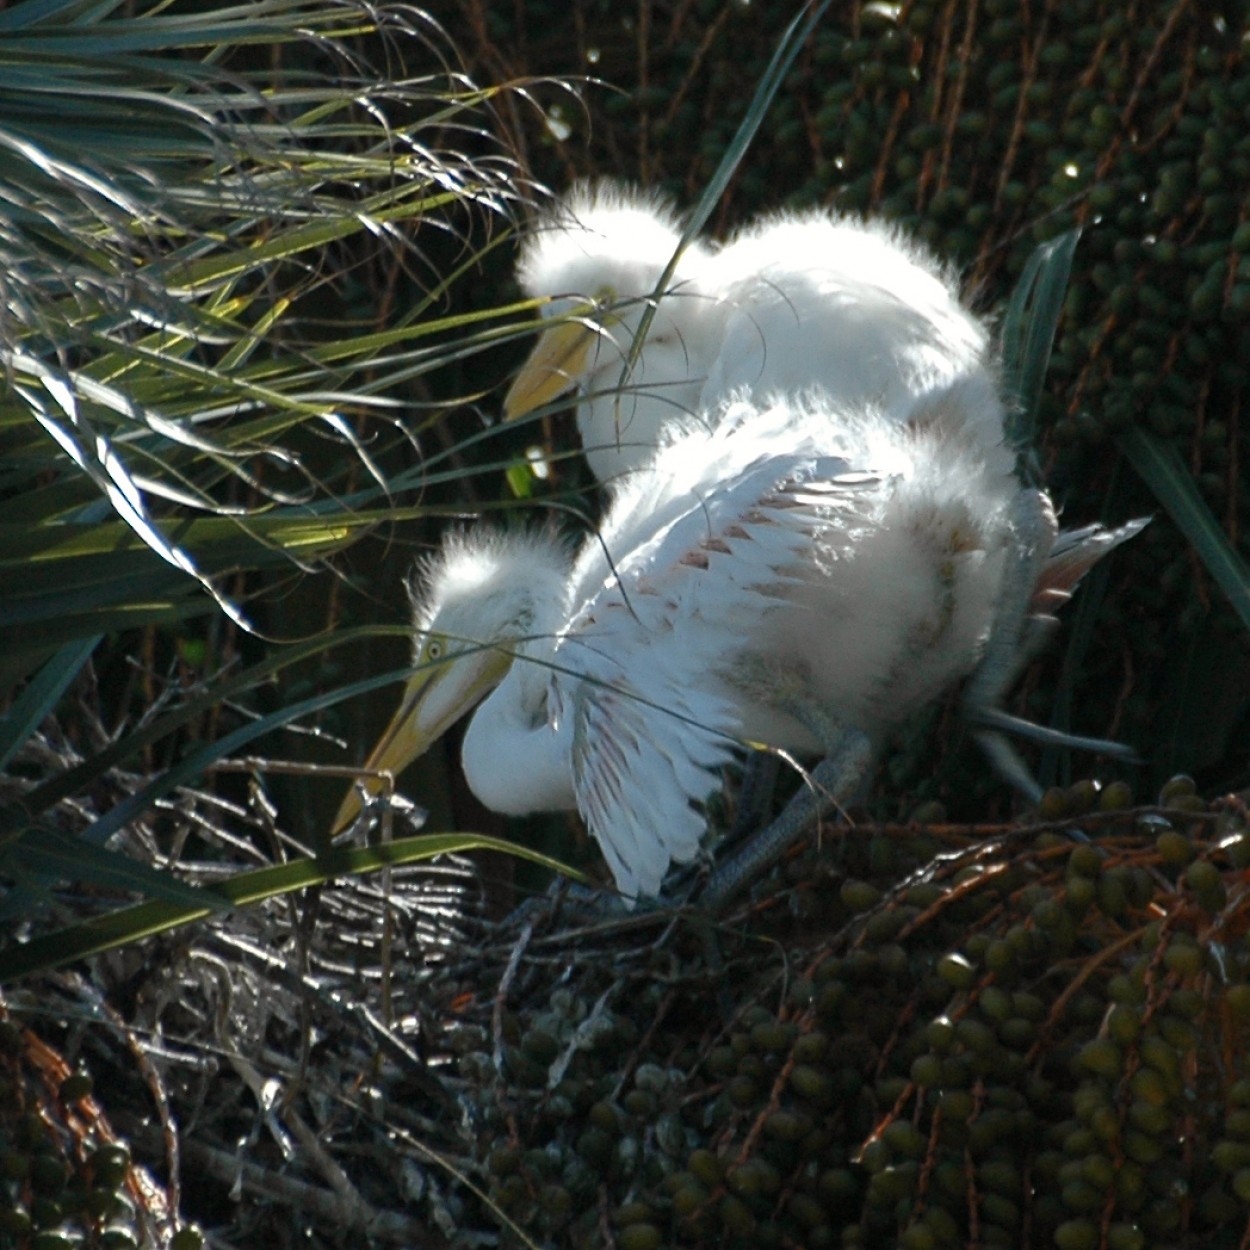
x=642, y=769
x=713, y=561
x=1075, y=552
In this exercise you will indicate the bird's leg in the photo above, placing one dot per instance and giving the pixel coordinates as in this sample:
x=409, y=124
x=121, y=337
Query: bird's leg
x=834, y=779
x=755, y=795
x=1014, y=634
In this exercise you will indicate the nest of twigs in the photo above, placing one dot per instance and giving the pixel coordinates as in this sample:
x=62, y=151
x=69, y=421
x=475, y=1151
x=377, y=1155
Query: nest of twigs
x=921, y=1036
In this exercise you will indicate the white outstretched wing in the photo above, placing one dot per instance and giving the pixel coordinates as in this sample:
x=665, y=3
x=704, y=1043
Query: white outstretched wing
x=661, y=618
x=641, y=771
x=709, y=486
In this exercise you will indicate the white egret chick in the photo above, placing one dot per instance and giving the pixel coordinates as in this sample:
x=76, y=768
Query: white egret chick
x=486, y=598
x=801, y=576
x=600, y=256
x=792, y=302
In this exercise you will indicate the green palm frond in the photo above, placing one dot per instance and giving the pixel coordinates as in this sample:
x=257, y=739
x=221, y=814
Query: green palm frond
x=1028, y=334
x=167, y=224
x=198, y=385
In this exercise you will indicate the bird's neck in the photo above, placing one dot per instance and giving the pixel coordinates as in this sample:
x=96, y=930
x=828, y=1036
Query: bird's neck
x=515, y=761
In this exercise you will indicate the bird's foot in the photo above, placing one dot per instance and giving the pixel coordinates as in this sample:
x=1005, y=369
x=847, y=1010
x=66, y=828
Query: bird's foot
x=1044, y=564
x=994, y=719
x=1006, y=762
x=991, y=725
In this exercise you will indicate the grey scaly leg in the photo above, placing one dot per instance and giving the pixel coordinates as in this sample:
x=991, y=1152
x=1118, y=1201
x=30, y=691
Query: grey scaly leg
x=755, y=796
x=1014, y=632
x=1014, y=635
x=833, y=780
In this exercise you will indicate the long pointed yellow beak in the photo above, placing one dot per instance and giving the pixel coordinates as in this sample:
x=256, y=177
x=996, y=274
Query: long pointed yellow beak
x=398, y=746
x=557, y=363
x=434, y=699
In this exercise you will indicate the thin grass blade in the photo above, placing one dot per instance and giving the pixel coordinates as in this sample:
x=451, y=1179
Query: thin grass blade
x=247, y=888
x=1028, y=333
x=1162, y=469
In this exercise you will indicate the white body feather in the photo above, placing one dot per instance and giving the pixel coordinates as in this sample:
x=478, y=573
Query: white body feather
x=857, y=570
x=791, y=303
x=812, y=524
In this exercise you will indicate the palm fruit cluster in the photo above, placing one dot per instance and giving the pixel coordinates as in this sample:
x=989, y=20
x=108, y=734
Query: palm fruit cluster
x=913, y=1037
x=66, y=1180
x=986, y=127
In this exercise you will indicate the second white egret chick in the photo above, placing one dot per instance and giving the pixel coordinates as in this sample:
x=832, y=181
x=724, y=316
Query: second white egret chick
x=601, y=255
x=791, y=303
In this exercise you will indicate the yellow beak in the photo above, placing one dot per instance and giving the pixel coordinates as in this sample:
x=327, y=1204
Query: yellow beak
x=557, y=363
x=435, y=698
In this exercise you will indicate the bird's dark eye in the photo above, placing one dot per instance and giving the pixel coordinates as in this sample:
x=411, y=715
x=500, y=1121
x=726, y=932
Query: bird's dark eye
x=433, y=649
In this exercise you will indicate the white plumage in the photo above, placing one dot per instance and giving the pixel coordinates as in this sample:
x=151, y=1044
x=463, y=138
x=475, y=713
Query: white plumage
x=599, y=256
x=792, y=302
x=829, y=535
x=794, y=576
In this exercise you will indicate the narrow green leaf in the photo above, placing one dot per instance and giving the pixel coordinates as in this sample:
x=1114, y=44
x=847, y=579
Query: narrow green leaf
x=41, y=694
x=1028, y=332
x=196, y=762
x=53, y=855
x=221, y=543
x=38, y=637
x=1163, y=470
x=791, y=43
x=147, y=919
x=32, y=12
x=90, y=770
x=788, y=48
